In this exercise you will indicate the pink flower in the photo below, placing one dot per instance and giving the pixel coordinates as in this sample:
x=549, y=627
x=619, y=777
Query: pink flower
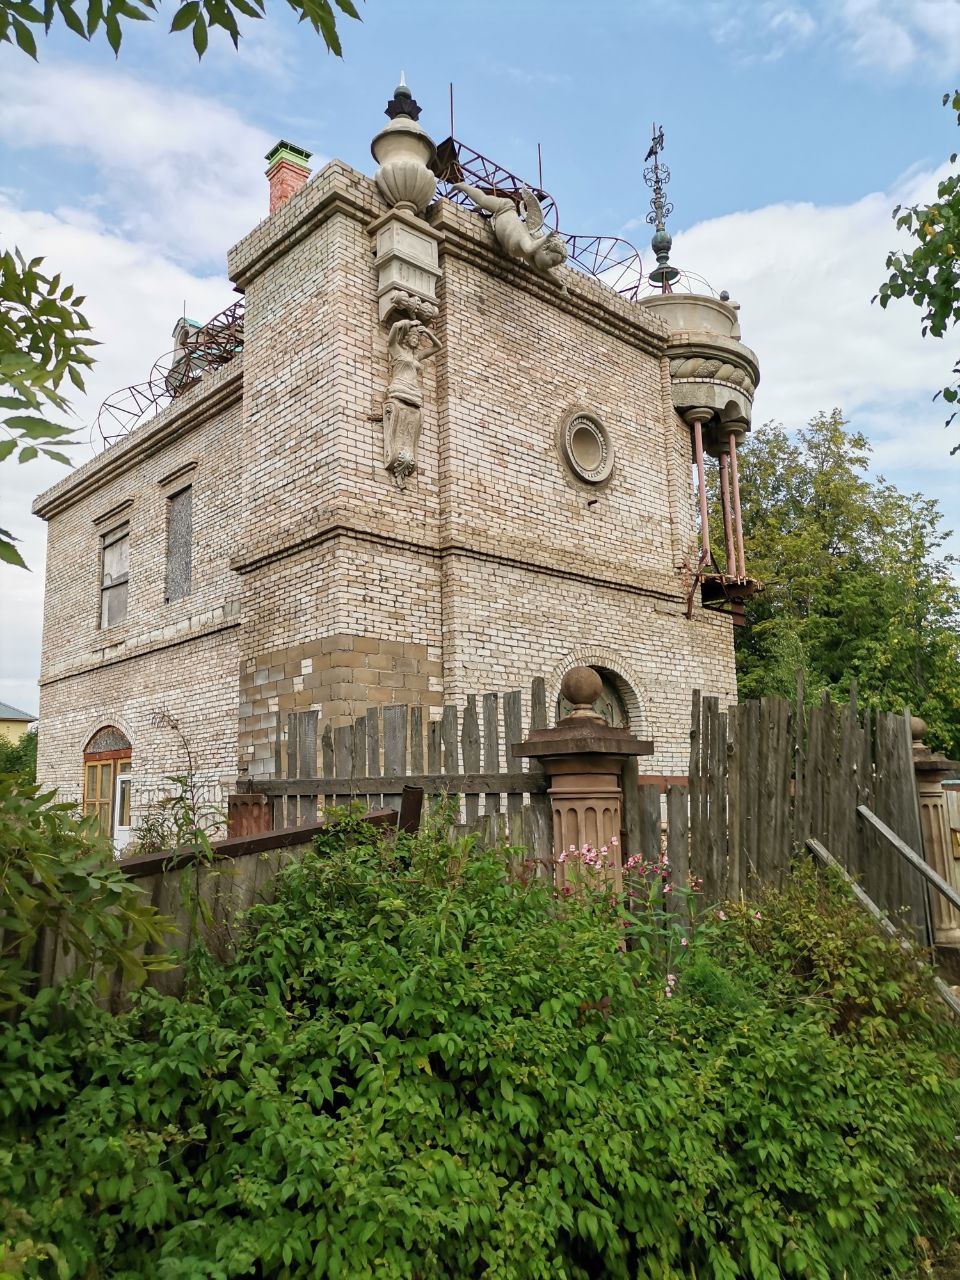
x=614, y=840
x=684, y=942
x=573, y=848
x=721, y=915
x=756, y=915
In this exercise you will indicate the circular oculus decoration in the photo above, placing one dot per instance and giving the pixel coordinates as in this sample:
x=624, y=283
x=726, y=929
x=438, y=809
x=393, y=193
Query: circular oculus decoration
x=586, y=447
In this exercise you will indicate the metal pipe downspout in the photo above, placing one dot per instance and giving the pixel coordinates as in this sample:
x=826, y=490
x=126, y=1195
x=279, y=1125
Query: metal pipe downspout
x=727, y=517
x=705, y=553
x=737, y=516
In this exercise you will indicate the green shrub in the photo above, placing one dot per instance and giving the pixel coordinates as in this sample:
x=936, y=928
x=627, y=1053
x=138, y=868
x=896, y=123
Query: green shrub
x=20, y=757
x=417, y=1068
x=58, y=874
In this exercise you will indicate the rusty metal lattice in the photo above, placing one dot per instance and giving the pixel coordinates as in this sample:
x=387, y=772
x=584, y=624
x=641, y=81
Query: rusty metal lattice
x=613, y=261
x=199, y=348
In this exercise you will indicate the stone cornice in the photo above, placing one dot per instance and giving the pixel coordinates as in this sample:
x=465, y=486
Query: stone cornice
x=657, y=586
x=71, y=670
x=217, y=392
x=466, y=237
x=336, y=189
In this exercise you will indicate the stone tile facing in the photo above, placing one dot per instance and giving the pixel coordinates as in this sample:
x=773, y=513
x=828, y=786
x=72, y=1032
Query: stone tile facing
x=317, y=583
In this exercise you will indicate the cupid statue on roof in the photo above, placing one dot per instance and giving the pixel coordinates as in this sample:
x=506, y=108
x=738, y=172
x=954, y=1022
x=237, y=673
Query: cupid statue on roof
x=521, y=238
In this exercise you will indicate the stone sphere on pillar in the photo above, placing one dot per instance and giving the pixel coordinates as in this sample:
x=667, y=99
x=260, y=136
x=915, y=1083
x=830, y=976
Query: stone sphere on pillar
x=581, y=686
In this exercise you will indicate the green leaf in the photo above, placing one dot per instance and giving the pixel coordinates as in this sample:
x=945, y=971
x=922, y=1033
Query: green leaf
x=8, y=552
x=27, y=453
x=185, y=15
x=200, y=37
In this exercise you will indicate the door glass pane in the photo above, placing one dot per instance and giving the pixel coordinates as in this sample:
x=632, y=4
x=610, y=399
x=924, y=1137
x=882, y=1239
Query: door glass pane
x=90, y=790
x=123, y=803
x=106, y=781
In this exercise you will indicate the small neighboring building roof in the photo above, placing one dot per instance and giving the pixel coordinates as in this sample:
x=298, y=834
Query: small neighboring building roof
x=11, y=713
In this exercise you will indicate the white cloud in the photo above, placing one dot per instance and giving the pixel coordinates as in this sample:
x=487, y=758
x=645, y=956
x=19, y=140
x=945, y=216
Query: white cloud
x=887, y=35
x=804, y=275
x=177, y=170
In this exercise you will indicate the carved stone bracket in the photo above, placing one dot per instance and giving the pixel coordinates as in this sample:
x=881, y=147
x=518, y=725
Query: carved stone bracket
x=408, y=263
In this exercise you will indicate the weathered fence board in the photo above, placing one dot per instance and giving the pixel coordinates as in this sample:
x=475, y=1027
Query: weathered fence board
x=465, y=753
x=767, y=776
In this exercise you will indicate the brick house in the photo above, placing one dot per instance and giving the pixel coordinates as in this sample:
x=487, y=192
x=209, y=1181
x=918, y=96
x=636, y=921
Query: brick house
x=264, y=545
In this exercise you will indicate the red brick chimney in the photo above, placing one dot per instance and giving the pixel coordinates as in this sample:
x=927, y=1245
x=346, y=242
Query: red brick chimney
x=288, y=170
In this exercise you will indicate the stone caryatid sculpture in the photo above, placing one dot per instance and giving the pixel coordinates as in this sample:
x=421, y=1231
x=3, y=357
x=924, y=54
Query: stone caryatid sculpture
x=409, y=344
x=521, y=238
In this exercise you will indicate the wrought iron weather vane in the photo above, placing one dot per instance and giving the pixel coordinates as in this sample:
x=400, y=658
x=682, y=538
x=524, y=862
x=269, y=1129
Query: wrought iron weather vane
x=656, y=176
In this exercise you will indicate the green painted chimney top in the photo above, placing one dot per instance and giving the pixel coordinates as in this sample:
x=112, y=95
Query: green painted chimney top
x=288, y=151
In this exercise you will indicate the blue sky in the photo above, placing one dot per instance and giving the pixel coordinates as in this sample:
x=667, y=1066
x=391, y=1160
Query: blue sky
x=792, y=129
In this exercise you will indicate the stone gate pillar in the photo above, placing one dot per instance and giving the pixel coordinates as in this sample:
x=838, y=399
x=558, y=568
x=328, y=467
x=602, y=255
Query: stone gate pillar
x=582, y=758
x=931, y=769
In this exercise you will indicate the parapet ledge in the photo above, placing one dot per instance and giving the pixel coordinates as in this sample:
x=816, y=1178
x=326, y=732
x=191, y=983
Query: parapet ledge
x=336, y=188
x=218, y=390
x=467, y=235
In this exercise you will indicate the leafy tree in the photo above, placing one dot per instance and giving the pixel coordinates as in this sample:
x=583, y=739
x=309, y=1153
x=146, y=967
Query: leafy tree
x=44, y=336
x=20, y=757
x=20, y=21
x=929, y=274
x=857, y=586
x=419, y=1068
x=58, y=874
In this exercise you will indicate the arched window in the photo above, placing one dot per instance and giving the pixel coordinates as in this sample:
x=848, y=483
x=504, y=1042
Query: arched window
x=610, y=704
x=106, y=782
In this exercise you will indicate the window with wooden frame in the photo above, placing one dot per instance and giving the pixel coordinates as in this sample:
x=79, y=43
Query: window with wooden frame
x=179, y=543
x=107, y=758
x=114, y=575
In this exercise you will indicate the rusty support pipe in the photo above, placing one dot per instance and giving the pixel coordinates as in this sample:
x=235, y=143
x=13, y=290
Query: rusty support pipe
x=737, y=515
x=727, y=517
x=705, y=553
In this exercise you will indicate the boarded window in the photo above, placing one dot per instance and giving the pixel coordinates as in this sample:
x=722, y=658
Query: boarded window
x=115, y=560
x=179, y=544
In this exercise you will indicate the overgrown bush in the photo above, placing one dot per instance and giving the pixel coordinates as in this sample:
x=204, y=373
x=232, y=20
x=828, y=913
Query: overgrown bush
x=20, y=757
x=419, y=1068
x=58, y=874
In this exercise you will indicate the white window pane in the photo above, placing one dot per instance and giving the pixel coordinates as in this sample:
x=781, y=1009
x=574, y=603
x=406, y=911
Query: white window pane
x=116, y=560
x=113, y=605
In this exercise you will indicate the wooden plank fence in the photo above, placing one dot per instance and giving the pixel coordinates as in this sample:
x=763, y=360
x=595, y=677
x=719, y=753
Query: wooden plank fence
x=764, y=777
x=462, y=758
x=767, y=776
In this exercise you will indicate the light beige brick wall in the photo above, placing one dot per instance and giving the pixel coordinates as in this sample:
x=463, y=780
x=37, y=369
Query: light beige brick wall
x=181, y=656
x=194, y=680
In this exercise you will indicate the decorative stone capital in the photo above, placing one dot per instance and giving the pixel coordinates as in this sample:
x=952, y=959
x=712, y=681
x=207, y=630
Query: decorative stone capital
x=710, y=368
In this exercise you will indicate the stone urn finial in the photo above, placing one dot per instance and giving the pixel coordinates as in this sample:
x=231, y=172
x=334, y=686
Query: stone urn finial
x=581, y=686
x=404, y=151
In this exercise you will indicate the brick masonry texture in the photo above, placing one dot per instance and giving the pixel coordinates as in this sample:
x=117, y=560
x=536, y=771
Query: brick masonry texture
x=317, y=583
